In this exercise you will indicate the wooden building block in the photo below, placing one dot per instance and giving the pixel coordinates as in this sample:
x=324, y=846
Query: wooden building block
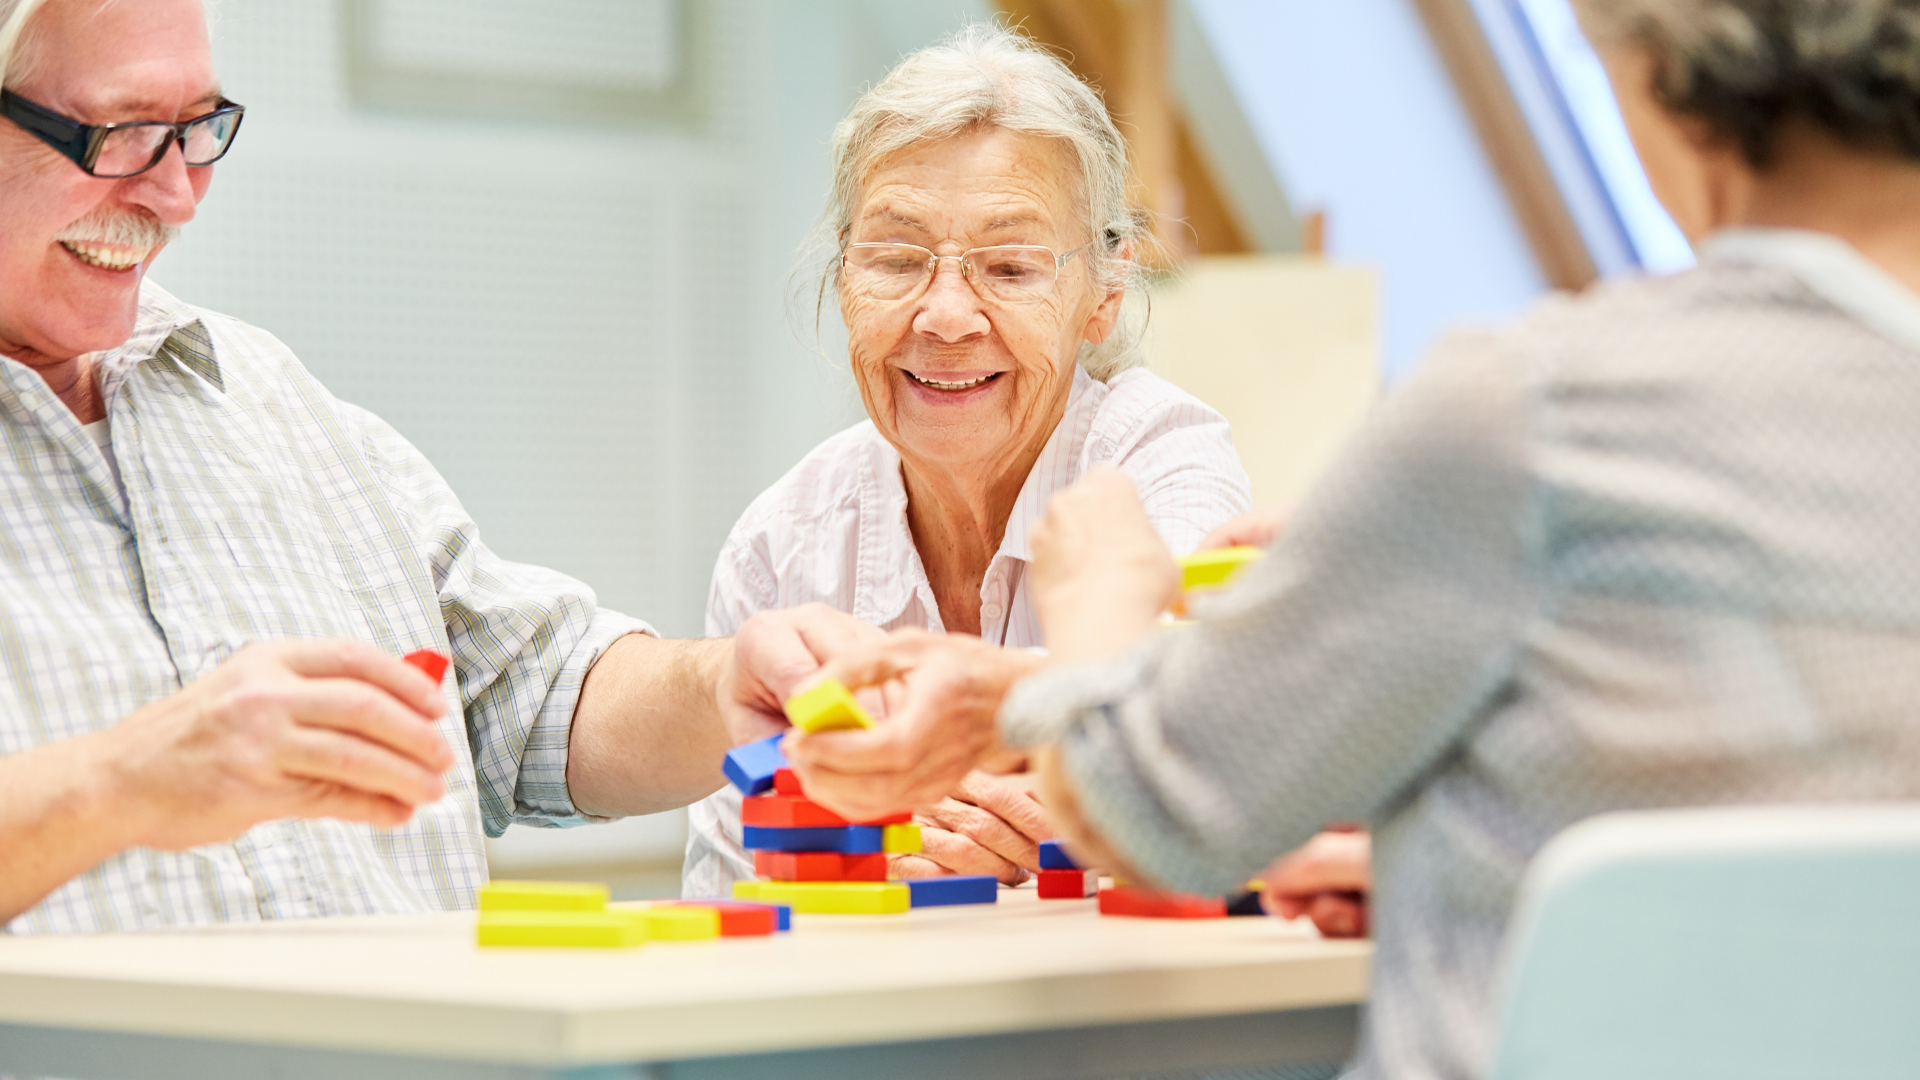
x=845, y=839
x=432, y=662
x=543, y=896
x=787, y=782
x=819, y=866
x=1068, y=884
x=901, y=839
x=1154, y=904
x=751, y=767
x=561, y=929
x=1213, y=569
x=1055, y=857
x=826, y=706
x=829, y=897
x=794, y=812
x=954, y=889
x=682, y=922
x=741, y=919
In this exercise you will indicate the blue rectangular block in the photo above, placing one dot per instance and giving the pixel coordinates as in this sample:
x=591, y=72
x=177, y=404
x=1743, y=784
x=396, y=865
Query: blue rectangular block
x=845, y=839
x=1054, y=857
x=751, y=767
x=960, y=889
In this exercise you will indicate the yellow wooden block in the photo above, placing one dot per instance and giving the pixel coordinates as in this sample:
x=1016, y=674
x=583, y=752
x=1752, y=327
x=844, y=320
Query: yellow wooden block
x=826, y=706
x=562, y=929
x=543, y=896
x=672, y=922
x=900, y=839
x=828, y=897
x=1212, y=569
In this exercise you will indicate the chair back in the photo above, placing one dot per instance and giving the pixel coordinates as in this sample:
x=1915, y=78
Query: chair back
x=1746, y=943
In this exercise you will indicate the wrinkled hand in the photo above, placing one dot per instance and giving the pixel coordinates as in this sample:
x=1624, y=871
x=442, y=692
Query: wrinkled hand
x=1101, y=576
x=985, y=827
x=944, y=693
x=1326, y=879
x=310, y=729
x=1255, y=528
x=774, y=654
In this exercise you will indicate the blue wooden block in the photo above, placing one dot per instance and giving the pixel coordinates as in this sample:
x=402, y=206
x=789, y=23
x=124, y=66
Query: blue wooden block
x=961, y=889
x=1054, y=857
x=845, y=839
x=751, y=767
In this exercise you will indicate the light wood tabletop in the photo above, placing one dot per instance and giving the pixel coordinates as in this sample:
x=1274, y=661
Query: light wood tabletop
x=418, y=986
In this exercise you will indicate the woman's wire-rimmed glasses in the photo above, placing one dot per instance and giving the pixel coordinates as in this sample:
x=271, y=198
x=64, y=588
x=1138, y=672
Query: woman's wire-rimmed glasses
x=1008, y=273
x=113, y=151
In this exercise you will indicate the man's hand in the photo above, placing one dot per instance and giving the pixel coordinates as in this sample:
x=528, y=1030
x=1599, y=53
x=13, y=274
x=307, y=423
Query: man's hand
x=1326, y=879
x=306, y=729
x=1255, y=528
x=987, y=826
x=944, y=693
x=1101, y=576
x=774, y=654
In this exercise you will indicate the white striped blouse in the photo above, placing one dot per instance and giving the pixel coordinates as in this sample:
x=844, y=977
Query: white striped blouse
x=834, y=530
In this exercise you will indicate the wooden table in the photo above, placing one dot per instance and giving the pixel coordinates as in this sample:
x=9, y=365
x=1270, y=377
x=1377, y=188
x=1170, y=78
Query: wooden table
x=1023, y=988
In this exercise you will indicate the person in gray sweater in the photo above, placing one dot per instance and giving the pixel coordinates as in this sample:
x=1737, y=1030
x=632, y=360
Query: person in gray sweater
x=1655, y=545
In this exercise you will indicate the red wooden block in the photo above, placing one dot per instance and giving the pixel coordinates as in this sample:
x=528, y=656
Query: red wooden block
x=1068, y=884
x=740, y=920
x=786, y=782
x=1154, y=904
x=429, y=661
x=793, y=812
x=819, y=866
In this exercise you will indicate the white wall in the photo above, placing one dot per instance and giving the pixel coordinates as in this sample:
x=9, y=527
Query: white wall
x=583, y=327
x=1356, y=112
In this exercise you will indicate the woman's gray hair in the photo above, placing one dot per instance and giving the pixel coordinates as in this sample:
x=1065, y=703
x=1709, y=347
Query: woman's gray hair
x=14, y=16
x=989, y=76
x=1750, y=67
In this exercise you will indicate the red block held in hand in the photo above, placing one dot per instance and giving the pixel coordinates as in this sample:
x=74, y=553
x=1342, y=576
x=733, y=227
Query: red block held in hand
x=430, y=661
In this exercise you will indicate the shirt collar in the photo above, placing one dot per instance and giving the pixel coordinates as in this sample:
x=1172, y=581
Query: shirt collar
x=1832, y=268
x=886, y=540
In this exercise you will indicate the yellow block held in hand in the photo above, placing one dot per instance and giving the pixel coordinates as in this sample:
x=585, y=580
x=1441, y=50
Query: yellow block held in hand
x=1212, y=569
x=562, y=929
x=543, y=896
x=900, y=839
x=826, y=706
x=829, y=897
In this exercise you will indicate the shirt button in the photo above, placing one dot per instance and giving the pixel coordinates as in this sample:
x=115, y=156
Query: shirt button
x=990, y=613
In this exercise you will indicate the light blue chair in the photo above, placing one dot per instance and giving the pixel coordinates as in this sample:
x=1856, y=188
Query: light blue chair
x=1743, y=944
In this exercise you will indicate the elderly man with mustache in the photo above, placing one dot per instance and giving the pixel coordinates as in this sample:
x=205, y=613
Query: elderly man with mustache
x=209, y=567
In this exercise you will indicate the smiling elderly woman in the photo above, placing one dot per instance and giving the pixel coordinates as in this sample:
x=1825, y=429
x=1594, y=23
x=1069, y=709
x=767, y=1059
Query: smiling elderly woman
x=984, y=247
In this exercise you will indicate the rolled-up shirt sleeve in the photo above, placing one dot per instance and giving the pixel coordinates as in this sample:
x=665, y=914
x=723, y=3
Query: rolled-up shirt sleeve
x=1322, y=685
x=523, y=639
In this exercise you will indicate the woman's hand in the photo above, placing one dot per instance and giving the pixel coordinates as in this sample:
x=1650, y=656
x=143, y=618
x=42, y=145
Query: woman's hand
x=774, y=654
x=987, y=826
x=943, y=696
x=1255, y=528
x=1101, y=576
x=1326, y=879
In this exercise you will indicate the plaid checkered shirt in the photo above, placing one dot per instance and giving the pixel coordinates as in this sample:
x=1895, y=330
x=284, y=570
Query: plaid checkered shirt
x=256, y=506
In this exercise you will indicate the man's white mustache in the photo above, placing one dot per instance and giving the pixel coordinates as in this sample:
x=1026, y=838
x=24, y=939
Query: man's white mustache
x=139, y=232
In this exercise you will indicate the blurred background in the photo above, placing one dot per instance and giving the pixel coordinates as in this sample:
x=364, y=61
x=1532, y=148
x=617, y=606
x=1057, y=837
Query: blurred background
x=554, y=243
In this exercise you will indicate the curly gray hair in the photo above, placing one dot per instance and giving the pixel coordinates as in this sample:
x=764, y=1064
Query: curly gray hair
x=1749, y=67
x=989, y=76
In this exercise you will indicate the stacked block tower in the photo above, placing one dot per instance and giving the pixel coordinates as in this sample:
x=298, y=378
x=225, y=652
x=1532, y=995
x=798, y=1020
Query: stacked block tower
x=814, y=860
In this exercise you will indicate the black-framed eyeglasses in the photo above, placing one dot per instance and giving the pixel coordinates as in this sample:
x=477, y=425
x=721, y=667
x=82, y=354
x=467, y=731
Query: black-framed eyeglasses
x=1009, y=273
x=112, y=151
